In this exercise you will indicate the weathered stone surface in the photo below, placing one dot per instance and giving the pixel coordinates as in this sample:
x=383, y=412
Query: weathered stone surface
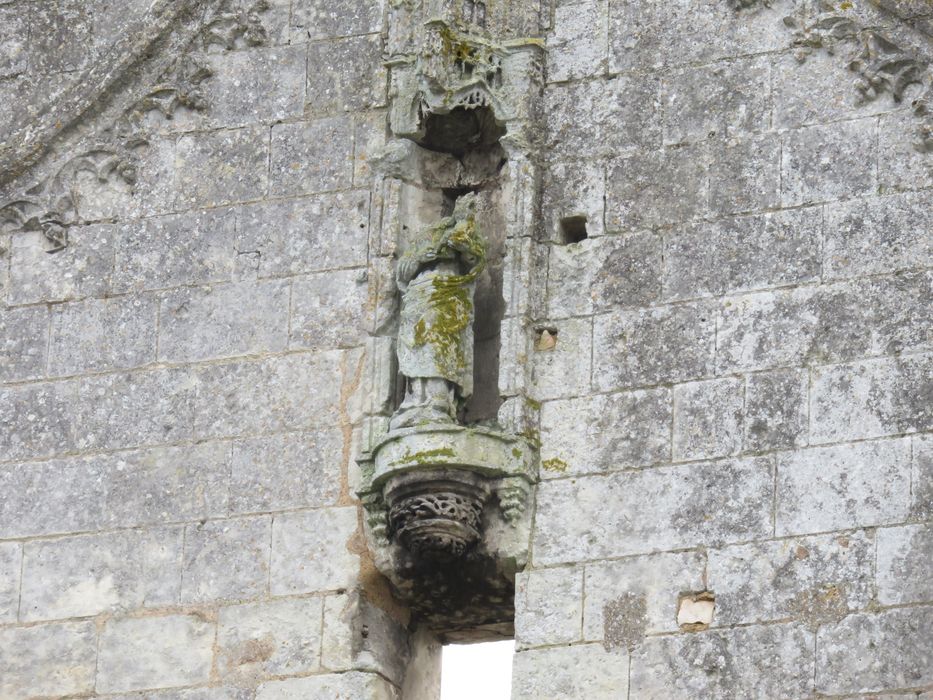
x=905, y=564
x=548, y=607
x=776, y=414
x=48, y=660
x=653, y=346
x=340, y=686
x=24, y=343
x=309, y=157
x=244, y=318
x=865, y=653
x=845, y=486
x=708, y=419
x=605, y=432
x=631, y=598
x=900, y=166
x=221, y=167
x=921, y=481
x=360, y=83
x=662, y=508
x=325, y=19
x=11, y=566
x=583, y=671
x=154, y=652
x=277, y=638
x=577, y=47
x=329, y=310
x=745, y=175
x=573, y=188
x=90, y=574
x=816, y=579
x=226, y=560
x=38, y=419
x=564, y=368
x=742, y=254
x=310, y=550
x=774, y=661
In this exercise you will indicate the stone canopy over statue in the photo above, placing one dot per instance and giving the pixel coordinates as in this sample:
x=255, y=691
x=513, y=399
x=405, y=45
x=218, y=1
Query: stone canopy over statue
x=435, y=340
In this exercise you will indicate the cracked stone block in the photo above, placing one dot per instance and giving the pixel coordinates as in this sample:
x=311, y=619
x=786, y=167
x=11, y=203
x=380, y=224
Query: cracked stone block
x=221, y=167
x=359, y=84
x=905, y=564
x=825, y=163
x=605, y=432
x=314, y=156
x=195, y=248
x=564, y=368
x=576, y=48
x=275, y=638
x=329, y=310
x=311, y=551
x=742, y=254
x=864, y=653
x=776, y=415
x=38, y=419
x=548, y=606
x=718, y=100
x=24, y=343
x=774, y=661
x=244, y=318
x=745, y=174
x=900, y=165
x=11, y=558
x=816, y=579
x=845, y=486
x=90, y=574
x=103, y=334
x=708, y=419
x=653, y=346
x=336, y=685
x=226, y=560
x=878, y=235
x=305, y=235
x=631, y=598
x=54, y=660
x=82, y=269
x=155, y=652
x=922, y=478
x=870, y=399
x=328, y=19
x=581, y=671
x=666, y=508
x=603, y=273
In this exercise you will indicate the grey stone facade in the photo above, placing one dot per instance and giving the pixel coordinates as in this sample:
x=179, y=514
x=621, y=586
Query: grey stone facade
x=729, y=379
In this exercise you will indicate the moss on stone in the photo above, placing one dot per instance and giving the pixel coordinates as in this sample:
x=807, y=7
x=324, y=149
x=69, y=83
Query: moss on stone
x=555, y=464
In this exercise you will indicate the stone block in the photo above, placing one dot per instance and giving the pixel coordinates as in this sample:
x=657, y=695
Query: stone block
x=327, y=19
x=155, y=652
x=48, y=660
x=869, y=399
x=14, y=41
x=245, y=318
x=60, y=35
x=742, y=254
x=905, y=564
x=38, y=420
x=656, y=188
x=563, y=369
x=282, y=472
x=815, y=579
x=305, y=235
x=605, y=432
x=338, y=686
x=226, y=560
x=369, y=140
x=221, y=167
x=91, y=574
x=773, y=661
x=776, y=415
x=718, y=100
x=11, y=566
x=631, y=598
x=275, y=638
x=900, y=165
x=604, y=273
x=825, y=163
x=662, y=508
x=360, y=83
x=629, y=100
x=311, y=551
x=878, y=235
x=582, y=671
x=845, y=486
x=330, y=310
x=82, y=269
x=24, y=343
x=576, y=47
x=573, y=189
x=921, y=506
x=745, y=175
x=103, y=334
x=314, y=156
x=653, y=346
x=548, y=607
x=195, y=248
x=708, y=419
x=872, y=652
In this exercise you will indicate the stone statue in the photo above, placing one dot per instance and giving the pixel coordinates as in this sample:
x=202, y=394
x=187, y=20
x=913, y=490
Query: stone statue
x=435, y=340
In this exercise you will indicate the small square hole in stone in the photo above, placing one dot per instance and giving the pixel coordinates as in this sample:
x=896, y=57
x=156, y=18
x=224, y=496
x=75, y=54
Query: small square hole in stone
x=573, y=229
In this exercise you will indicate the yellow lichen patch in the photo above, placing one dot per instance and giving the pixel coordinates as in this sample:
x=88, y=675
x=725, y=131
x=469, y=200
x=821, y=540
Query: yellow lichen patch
x=423, y=457
x=554, y=464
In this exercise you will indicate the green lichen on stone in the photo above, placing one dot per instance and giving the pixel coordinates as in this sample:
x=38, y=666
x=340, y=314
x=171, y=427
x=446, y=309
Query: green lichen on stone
x=516, y=453
x=423, y=457
x=534, y=405
x=555, y=464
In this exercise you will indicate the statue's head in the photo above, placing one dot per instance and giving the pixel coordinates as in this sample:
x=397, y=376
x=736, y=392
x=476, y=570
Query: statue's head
x=465, y=206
